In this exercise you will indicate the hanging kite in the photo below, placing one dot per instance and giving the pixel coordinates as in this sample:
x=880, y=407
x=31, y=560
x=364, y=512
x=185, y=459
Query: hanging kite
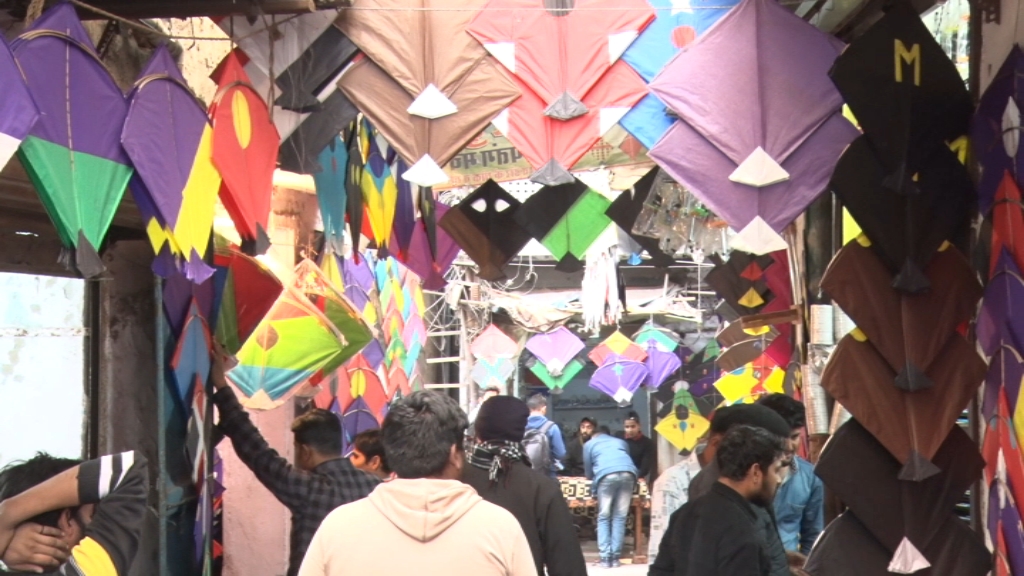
x=997, y=322
x=379, y=193
x=684, y=426
x=741, y=281
x=619, y=378
x=909, y=112
x=662, y=360
x=492, y=344
x=909, y=520
x=357, y=418
x=178, y=295
x=911, y=425
x=673, y=28
x=73, y=153
x=556, y=382
x=616, y=346
x=995, y=129
x=366, y=384
x=245, y=146
x=484, y=224
x=191, y=361
x=331, y=193
x=312, y=282
x=168, y=137
x=555, y=349
x=18, y=111
x=744, y=73
x=421, y=260
x=566, y=219
x=588, y=37
x=1007, y=219
x=909, y=330
x=553, y=146
x=488, y=374
x=905, y=229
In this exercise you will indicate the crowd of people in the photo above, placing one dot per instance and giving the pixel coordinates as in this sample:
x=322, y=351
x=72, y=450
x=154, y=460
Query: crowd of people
x=417, y=493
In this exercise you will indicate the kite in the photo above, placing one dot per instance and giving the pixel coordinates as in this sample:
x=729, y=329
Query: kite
x=905, y=229
x=905, y=518
x=191, y=361
x=563, y=52
x=908, y=112
x=909, y=330
x=1007, y=216
x=311, y=281
x=616, y=346
x=431, y=89
x=996, y=324
x=73, y=153
x=762, y=174
x=995, y=129
x=421, y=260
x=380, y=194
x=299, y=151
x=662, y=360
x=357, y=418
x=624, y=211
x=484, y=225
x=331, y=193
x=487, y=374
x=311, y=73
x=741, y=281
x=18, y=111
x=555, y=349
x=247, y=290
x=684, y=426
x=553, y=146
x=427, y=143
x=911, y=425
x=366, y=384
x=556, y=382
x=295, y=342
x=566, y=219
x=168, y=137
x=619, y=378
x=245, y=147
x=492, y=344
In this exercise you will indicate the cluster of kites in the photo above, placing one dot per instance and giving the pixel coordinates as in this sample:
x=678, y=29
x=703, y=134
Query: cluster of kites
x=996, y=138
x=907, y=371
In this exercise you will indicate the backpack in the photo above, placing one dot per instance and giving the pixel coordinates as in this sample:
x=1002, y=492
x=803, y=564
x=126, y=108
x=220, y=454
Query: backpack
x=538, y=447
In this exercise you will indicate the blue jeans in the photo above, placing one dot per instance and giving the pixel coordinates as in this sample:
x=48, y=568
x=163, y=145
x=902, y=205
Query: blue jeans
x=614, y=495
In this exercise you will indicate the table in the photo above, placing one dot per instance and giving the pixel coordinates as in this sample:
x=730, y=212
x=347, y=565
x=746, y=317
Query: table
x=576, y=492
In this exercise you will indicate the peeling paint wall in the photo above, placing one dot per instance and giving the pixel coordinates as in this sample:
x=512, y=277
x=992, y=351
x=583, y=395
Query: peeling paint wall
x=42, y=347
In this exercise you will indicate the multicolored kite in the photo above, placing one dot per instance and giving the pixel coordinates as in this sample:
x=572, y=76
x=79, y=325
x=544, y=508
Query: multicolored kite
x=73, y=154
x=168, y=137
x=18, y=111
x=566, y=219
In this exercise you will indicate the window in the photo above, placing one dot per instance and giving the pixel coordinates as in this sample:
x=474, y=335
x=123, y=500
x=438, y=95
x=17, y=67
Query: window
x=42, y=377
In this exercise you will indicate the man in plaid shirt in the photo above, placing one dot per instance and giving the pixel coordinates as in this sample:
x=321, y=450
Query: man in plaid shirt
x=321, y=479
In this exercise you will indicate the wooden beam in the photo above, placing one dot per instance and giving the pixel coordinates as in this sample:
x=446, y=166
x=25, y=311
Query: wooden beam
x=790, y=316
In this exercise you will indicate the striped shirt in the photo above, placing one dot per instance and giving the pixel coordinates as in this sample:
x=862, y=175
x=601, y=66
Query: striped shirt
x=118, y=484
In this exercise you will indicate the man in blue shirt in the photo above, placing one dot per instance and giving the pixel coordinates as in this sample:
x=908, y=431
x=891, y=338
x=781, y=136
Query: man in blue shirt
x=538, y=405
x=607, y=464
x=799, y=503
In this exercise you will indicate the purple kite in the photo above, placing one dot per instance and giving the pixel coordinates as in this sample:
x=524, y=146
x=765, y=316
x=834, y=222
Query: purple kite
x=555, y=349
x=167, y=135
x=760, y=124
x=191, y=360
x=619, y=378
x=18, y=112
x=73, y=154
x=660, y=364
x=358, y=418
x=996, y=320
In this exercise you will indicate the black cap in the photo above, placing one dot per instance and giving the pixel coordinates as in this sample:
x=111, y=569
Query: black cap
x=749, y=415
x=502, y=418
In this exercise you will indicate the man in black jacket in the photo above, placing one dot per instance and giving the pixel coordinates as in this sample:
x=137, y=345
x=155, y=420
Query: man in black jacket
x=574, y=449
x=642, y=450
x=718, y=533
x=500, y=472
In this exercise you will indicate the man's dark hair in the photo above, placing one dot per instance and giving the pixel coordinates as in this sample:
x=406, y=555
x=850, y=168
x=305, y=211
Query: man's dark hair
x=369, y=445
x=724, y=419
x=633, y=416
x=589, y=419
x=536, y=402
x=791, y=410
x=320, y=430
x=494, y=389
x=18, y=477
x=419, y=432
x=744, y=446
x=604, y=429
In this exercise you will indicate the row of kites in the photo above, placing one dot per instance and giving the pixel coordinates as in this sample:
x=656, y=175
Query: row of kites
x=737, y=365
x=714, y=82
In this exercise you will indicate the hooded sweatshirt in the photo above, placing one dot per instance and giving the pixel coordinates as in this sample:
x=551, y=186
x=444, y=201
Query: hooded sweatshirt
x=430, y=527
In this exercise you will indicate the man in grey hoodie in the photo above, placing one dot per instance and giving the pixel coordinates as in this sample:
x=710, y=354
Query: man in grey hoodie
x=425, y=518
